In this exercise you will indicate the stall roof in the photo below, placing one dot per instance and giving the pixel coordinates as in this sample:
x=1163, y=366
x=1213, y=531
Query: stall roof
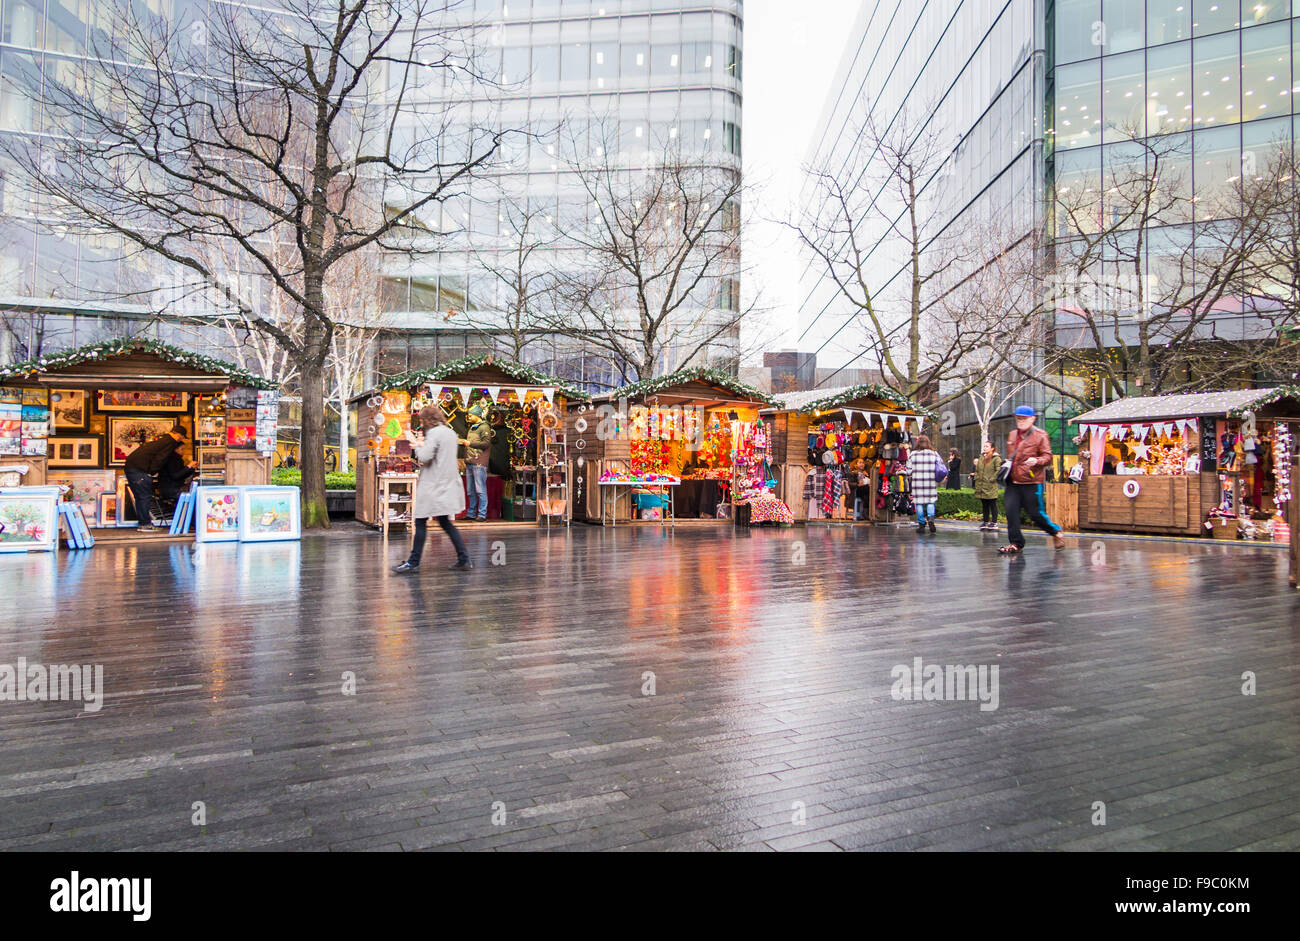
x=826, y=400
x=1273, y=397
x=132, y=362
x=734, y=391
x=1190, y=405
x=444, y=372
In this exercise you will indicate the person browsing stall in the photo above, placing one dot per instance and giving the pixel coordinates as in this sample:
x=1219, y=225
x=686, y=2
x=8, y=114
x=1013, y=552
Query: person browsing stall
x=150, y=462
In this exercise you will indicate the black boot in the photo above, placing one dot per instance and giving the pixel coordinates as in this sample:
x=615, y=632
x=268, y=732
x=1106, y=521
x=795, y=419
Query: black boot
x=931, y=525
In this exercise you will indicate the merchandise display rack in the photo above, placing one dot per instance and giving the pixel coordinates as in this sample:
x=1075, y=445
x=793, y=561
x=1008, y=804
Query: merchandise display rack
x=553, y=479
x=396, y=491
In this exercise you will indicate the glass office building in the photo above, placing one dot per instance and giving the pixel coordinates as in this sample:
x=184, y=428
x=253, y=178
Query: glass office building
x=1084, y=79
x=614, y=82
x=650, y=73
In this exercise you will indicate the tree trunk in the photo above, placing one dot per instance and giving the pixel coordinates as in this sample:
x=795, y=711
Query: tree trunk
x=315, y=511
x=343, y=435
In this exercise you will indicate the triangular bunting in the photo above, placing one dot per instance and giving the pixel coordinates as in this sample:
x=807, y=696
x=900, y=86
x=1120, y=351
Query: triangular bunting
x=494, y=392
x=522, y=392
x=550, y=394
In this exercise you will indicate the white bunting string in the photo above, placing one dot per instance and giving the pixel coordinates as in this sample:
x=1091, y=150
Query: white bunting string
x=522, y=393
x=495, y=393
x=549, y=393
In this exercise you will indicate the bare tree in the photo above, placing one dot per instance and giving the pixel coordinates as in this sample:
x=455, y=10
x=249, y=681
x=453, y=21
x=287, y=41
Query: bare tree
x=657, y=288
x=164, y=125
x=877, y=226
x=1141, y=271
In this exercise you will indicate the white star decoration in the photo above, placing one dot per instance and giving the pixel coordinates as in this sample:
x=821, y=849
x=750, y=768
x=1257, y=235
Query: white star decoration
x=1141, y=451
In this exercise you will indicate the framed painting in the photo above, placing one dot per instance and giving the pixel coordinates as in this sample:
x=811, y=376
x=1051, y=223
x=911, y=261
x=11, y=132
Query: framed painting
x=75, y=451
x=68, y=407
x=29, y=519
x=212, y=462
x=108, y=509
x=123, y=400
x=127, y=434
x=269, y=514
x=84, y=488
x=242, y=437
x=125, y=504
x=216, y=514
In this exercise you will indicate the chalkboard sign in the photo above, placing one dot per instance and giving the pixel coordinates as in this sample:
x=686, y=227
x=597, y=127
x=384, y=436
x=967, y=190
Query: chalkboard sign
x=1209, y=445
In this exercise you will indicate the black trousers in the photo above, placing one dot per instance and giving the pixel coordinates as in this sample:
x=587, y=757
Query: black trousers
x=1026, y=496
x=990, y=509
x=422, y=533
x=141, y=485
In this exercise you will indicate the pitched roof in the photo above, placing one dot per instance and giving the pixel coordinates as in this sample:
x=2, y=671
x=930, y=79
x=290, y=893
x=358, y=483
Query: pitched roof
x=703, y=374
x=825, y=400
x=1175, y=406
x=53, y=362
x=516, y=370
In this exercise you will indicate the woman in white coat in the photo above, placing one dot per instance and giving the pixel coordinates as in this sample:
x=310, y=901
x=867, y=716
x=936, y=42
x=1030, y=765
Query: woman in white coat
x=438, y=493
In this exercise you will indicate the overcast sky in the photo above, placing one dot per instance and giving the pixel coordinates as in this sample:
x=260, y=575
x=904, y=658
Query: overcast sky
x=792, y=52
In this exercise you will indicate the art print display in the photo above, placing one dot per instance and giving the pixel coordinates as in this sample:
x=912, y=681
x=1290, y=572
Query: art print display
x=35, y=447
x=11, y=427
x=85, y=488
x=267, y=514
x=108, y=509
x=10, y=396
x=75, y=451
x=29, y=519
x=243, y=437
x=68, y=407
x=216, y=514
x=127, y=434
x=122, y=400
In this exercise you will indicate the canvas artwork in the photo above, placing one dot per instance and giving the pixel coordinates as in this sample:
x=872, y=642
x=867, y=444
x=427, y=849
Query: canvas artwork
x=241, y=436
x=28, y=519
x=35, y=447
x=75, y=451
x=216, y=514
x=269, y=513
x=127, y=434
x=108, y=509
x=68, y=406
x=85, y=489
x=212, y=462
x=10, y=395
x=121, y=400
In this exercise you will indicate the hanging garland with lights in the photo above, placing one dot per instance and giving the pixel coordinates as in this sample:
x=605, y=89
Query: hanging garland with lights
x=692, y=374
x=98, y=352
x=445, y=371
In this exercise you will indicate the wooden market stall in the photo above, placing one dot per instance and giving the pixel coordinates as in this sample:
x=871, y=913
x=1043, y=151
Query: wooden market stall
x=1280, y=408
x=1188, y=465
x=72, y=417
x=529, y=459
x=857, y=433
x=696, y=428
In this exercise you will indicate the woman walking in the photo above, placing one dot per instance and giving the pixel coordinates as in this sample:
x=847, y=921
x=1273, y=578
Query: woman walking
x=926, y=467
x=438, y=492
x=986, y=485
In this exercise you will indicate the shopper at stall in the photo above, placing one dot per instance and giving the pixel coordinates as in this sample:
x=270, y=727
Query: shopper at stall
x=1030, y=451
x=954, y=469
x=987, y=466
x=928, y=470
x=478, y=451
x=144, y=465
x=438, y=492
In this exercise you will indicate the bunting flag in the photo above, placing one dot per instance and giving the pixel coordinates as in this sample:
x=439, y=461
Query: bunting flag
x=550, y=394
x=464, y=393
x=522, y=392
x=494, y=392
x=1141, y=431
x=1116, y=431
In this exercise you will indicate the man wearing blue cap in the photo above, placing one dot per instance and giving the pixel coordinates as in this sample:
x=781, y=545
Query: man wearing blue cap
x=1030, y=452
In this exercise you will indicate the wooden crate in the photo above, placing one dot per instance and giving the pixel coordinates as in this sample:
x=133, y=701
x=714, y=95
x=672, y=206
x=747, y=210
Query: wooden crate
x=247, y=467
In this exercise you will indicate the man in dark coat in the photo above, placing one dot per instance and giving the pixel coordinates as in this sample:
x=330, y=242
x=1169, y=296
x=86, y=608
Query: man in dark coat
x=154, y=459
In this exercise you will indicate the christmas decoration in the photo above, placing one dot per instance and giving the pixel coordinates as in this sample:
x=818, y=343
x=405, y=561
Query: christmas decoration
x=694, y=374
x=442, y=371
x=98, y=352
x=1282, y=464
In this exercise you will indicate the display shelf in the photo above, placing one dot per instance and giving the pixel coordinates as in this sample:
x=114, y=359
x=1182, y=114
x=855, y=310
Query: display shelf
x=396, y=491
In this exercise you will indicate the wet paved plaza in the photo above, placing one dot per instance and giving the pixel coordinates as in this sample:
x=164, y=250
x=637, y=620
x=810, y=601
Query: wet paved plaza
x=632, y=688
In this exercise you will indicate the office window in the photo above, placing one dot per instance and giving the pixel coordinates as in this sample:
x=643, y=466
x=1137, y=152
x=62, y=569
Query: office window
x=636, y=63
x=1216, y=81
x=1169, y=88
x=1168, y=21
x=1124, y=21
x=1078, y=105
x=1077, y=25
x=604, y=64
x=1265, y=71
x=1214, y=16
x=514, y=65
x=1255, y=12
x=1217, y=170
x=1123, y=96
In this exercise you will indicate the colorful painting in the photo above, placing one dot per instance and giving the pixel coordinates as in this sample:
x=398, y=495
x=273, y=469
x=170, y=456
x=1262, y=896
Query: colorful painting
x=121, y=400
x=108, y=509
x=11, y=427
x=69, y=408
x=127, y=434
x=35, y=447
x=79, y=451
x=216, y=514
x=269, y=513
x=28, y=519
x=241, y=436
x=84, y=489
x=10, y=395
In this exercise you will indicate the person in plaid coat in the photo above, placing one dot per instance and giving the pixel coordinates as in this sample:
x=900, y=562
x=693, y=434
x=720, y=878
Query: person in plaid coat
x=923, y=466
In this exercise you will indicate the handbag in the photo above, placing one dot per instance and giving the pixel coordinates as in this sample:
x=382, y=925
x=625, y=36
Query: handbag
x=940, y=472
x=1004, y=472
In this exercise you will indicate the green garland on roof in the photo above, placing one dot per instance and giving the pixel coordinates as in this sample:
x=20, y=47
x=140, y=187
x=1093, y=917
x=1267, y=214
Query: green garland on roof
x=691, y=374
x=1273, y=395
x=884, y=393
x=443, y=372
x=52, y=362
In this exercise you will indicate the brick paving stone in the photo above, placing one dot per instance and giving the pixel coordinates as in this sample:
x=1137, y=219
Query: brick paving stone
x=522, y=684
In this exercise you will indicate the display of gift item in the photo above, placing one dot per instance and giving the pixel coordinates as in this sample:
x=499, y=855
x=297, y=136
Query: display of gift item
x=845, y=460
x=513, y=447
x=79, y=419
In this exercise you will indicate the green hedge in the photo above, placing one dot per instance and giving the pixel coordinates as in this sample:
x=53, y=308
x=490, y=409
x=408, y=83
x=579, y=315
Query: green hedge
x=963, y=504
x=292, y=477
